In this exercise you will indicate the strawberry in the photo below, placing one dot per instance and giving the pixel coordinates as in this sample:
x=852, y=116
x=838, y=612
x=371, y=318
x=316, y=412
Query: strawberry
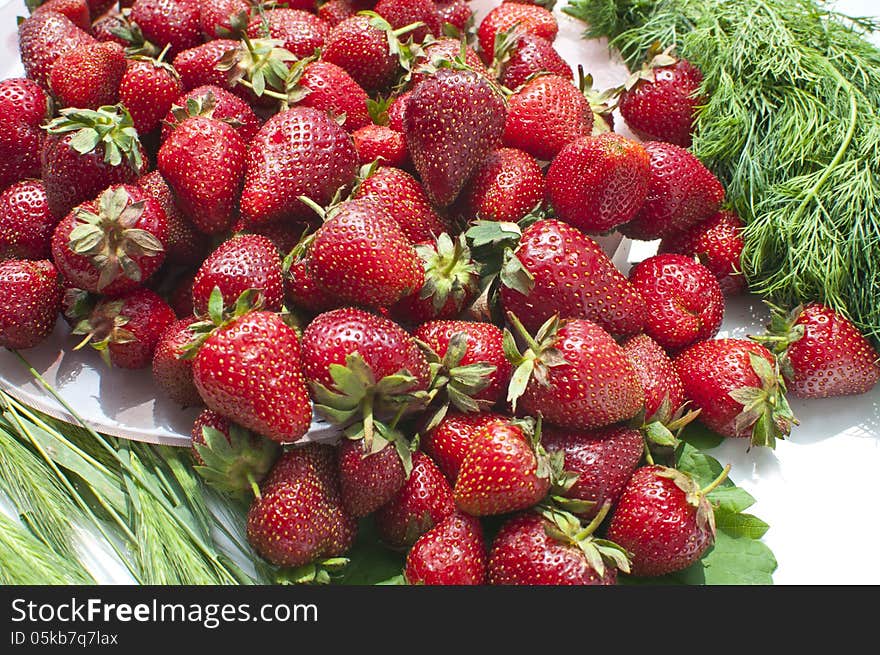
x=126, y=330
x=453, y=121
x=180, y=296
x=660, y=101
x=116, y=28
x=400, y=13
x=545, y=114
x=379, y=142
x=113, y=244
x=222, y=18
x=453, y=552
x=24, y=101
x=506, y=187
x=186, y=246
x=361, y=255
x=85, y=152
x=89, y=76
x=171, y=372
x=213, y=102
x=301, y=289
x=248, y=369
x=76, y=10
x=174, y=23
x=30, y=299
x=527, y=19
x=246, y=261
x=656, y=372
x=328, y=87
x=526, y=55
x=449, y=441
x=20, y=148
x=368, y=479
x=284, y=236
x=664, y=520
x=822, y=354
x=501, y=472
x=681, y=193
x=197, y=65
x=44, y=37
x=26, y=225
x=737, y=386
x=397, y=110
x=336, y=11
x=574, y=374
x=299, y=31
x=457, y=13
x=148, y=90
x=432, y=55
x=405, y=200
x=424, y=501
x=598, y=182
x=299, y=152
x=718, y=242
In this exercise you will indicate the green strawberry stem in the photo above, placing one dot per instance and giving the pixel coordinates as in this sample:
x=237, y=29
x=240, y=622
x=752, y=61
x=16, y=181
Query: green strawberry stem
x=523, y=332
x=593, y=525
x=717, y=481
x=367, y=413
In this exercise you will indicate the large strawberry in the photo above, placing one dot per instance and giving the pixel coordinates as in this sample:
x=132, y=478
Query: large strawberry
x=400, y=13
x=453, y=120
x=299, y=152
x=23, y=100
x=26, y=226
x=506, y=187
x=525, y=18
x=172, y=373
x=368, y=479
x=435, y=54
x=449, y=441
x=148, y=90
x=30, y=300
x=523, y=55
x=20, y=148
x=198, y=65
x=89, y=76
x=174, y=23
x=299, y=31
x=186, y=245
x=656, y=372
x=44, y=37
x=213, y=102
x=453, y=552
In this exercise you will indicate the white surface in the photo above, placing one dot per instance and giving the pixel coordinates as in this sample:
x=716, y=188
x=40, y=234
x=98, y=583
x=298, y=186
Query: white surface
x=816, y=487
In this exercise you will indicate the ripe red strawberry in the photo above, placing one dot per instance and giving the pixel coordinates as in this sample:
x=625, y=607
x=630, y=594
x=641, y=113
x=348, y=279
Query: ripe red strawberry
x=453, y=552
x=659, y=102
x=113, y=244
x=528, y=19
x=89, y=76
x=718, y=242
x=737, y=387
x=300, y=32
x=299, y=152
x=822, y=354
x=168, y=22
x=30, y=300
x=26, y=226
x=76, y=10
x=23, y=100
x=506, y=187
x=245, y=261
x=455, y=12
x=213, y=102
x=361, y=255
x=197, y=65
x=378, y=142
x=598, y=182
x=574, y=374
x=301, y=289
x=186, y=246
x=171, y=372
x=681, y=193
x=448, y=49
x=203, y=160
x=424, y=501
x=125, y=330
x=526, y=56
x=44, y=37
x=180, y=296
x=368, y=479
x=501, y=472
x=405, y=200
x=545, y=114
x=148, y=90
x=86, y=152
x=328, y=87
x=397, y=110
x=248, y=369
x=453, y=121
x=602, y=462
x=20, y=148
x=664, y=520
x=400, y=13
x=448, y=443
x=221, y=18
x=336, y=11
x=656, y=372
x=684, y=300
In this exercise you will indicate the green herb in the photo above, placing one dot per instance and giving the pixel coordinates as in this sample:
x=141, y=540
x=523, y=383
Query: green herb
x=791, y=127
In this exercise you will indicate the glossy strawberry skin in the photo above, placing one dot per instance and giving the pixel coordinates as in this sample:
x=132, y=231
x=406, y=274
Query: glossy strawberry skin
x=215, y=16
x=20, y=149
x=400, y=13
x=362, y=50
x=449, y=442
x=228, y=107
x=336, y=11
x=367, y=481
x=374, y=142
x=524, y=554
x=148, y=318
x=250, y=372
x=455, y=12
x=30, y=300
x=506, y=187
x=656, y=524
x=197, y=65
x=89, y=76
x=533, y=54
x=446, y=48
x=148, y=91
x=552, y=251
x=23, y=100
x=598, y=182
x=187, y=246
x=76, y=10
x=453, y=552
x=26, y=226
x=301, y=32
x=684, y=299
x=172, y=374
x=303, y=291
x=333, y=90
x=169, y=22
x=529, y=19
x=656, y=372
x=44, y=37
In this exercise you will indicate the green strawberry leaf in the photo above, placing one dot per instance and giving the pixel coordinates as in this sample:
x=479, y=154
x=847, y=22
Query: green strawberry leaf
x=371, y=563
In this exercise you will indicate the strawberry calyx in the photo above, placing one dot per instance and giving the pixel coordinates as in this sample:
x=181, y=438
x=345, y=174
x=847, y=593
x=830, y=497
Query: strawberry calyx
x=656, y=58
x=316, y=573
x=493, y=246
x=568, y=529
x=782, y=331
x=235, y=465
x=450, y=271
x=105, y=325
x=110, y=240
x=695, y=496
x=377, y=108
x=203, y=105
x=765, y=409
x=110, y=126
x=602, y=103
x=662, y=431
x=406, y=52
x=131, y=33
x=536, y=359
x=219, y=316
x=261, y=65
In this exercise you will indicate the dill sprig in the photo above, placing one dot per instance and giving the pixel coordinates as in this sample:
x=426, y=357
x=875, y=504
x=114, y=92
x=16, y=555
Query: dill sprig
x=791, y=127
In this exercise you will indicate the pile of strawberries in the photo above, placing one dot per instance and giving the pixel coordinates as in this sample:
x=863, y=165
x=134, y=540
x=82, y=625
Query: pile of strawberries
x=373, y=211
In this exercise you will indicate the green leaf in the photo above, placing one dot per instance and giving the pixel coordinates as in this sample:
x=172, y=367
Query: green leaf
x=370, y=562
x=737, y=561
x=701, y=437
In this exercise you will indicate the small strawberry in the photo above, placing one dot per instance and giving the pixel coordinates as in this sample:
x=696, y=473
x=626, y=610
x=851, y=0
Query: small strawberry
x=400, y=13
x=89, y=76
x=113, y=244
x=457, y=13
x=506, y=187
x=449, y=441
x=527, y=19
x=379, y=142
x=299, y=31
x=367, y=478
x=126, y=330
x=598, y=182
x=718, y=242
x=424, y=501
x=26, y=226
x=336, y=11
x=23, y=100
x=168, y=22
x=664, y=520
x=736, y=385
x=213, y=102
x=656, y=372
x=197, y=65
x=186, y=246
x=521, y=56
x=148, y=90
x=453, y=121
x=325, y=86
x=44, y=37
x=30, y=300
x=453, y=552
x=171, y=372
x=681, y=193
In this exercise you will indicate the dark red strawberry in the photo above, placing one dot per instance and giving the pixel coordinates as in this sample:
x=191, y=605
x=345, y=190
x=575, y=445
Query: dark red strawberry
x=598, y=182
x=197, y=65
x=171, y=372
x=664, y=520
x=213, y=102
x=180, y=296
x=681, y=193
x=20, y=148
x=328, y=87
x=26, y=226
x=453, y=121
x=23, y=100
x=148, y=90
x=112, y=244
x=168, y=22
x=30, y=300
x=506, y=187
x=527, y=19
x=222, y=18
x=424, y=501
x=44, y=37
x=186, y=245
x=400, y=13
x=453, y=552
x=397, y=110
x=736, y=385
x=76, y=10
x=448, y=443
x=336, y=11
x=368, y=478
x=299, y=152
x=527, y=55
x=684, y=300
x=656, y=372
x=89, y=76
x=299, y=31
x=457, y=13
x=718, y=242
x=378, y=142
x=126, y=330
